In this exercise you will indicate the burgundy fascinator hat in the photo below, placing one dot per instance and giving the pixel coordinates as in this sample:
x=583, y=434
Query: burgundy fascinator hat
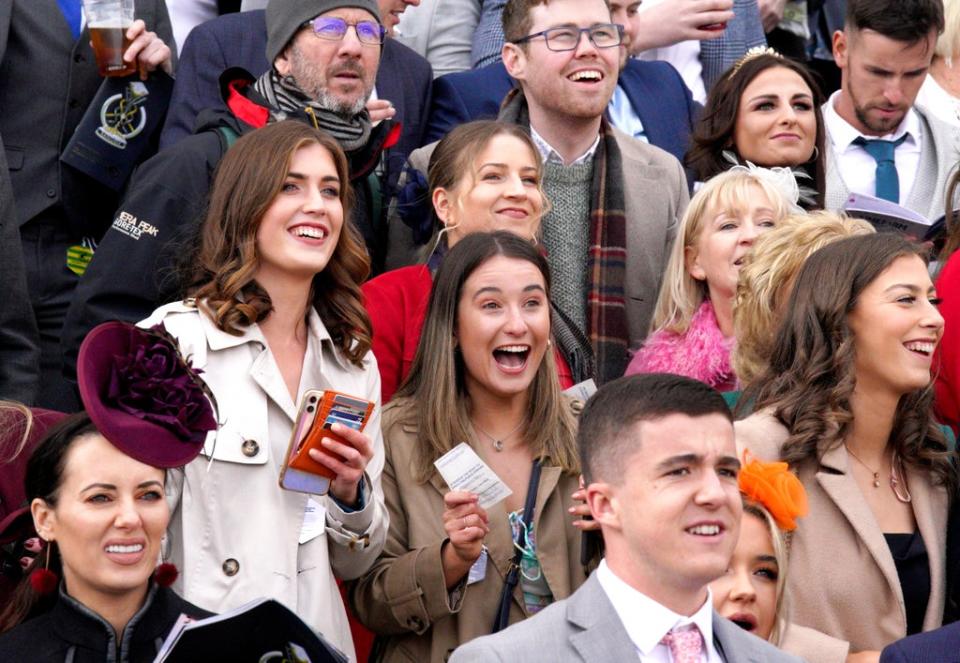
x=142, y=395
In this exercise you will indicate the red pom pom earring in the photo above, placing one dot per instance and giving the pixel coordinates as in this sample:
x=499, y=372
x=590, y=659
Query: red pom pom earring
x=165, y=574
x=44, y=581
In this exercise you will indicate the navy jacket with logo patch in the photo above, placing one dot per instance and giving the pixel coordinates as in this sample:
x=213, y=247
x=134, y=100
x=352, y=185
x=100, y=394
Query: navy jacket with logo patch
x=137, y=265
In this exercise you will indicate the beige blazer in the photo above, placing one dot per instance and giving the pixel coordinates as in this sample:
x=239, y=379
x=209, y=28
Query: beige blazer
x=842, y=577
x=404, y=595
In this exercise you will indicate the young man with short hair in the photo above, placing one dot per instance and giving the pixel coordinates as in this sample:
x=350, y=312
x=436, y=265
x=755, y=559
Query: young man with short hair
x=660, y=468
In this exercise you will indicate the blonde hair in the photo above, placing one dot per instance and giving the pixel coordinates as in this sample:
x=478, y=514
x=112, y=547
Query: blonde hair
x=781, y=551
x=16, y=420
x=766, y=276
x=948, y=43
x=681, y=294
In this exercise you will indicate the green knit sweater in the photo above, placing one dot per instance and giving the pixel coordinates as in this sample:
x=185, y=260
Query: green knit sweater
x=566, y=235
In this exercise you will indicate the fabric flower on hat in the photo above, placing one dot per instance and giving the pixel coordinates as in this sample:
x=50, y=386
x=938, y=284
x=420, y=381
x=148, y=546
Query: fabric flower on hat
x=776, y=488
x=153, y=383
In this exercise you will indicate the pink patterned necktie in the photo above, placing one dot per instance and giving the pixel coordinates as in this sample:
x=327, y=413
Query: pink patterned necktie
x=685, y=643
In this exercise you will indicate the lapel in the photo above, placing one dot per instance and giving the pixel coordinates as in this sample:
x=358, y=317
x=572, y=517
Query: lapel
x=837, y=192
x=640, y=93
x=842, y=490
x=598, y=633
x=263, y=367
x=930, y=511
x=732, y=643
x=391, y=79
x=59, y=23
x=925, y=183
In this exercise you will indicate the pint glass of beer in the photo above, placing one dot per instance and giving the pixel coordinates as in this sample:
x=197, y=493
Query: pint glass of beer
x=108, y=21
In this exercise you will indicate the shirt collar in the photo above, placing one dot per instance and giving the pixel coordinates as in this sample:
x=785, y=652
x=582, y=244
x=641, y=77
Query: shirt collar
x=218, y=339
x=548, y=154
x=647, y=621
x=842, y=133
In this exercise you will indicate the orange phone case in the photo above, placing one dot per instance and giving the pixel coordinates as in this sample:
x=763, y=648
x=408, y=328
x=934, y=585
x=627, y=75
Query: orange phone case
x=318, y=430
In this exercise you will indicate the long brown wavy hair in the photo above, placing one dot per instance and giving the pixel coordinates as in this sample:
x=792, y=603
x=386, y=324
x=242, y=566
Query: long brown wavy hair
x=246, y=182
x=435, y=393
x=714, y=130
x=811, y=377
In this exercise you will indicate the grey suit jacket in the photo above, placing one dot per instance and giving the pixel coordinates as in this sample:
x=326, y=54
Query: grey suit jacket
x=656, y=196
x=441, y=31
x=939, y=154
x=585, y=628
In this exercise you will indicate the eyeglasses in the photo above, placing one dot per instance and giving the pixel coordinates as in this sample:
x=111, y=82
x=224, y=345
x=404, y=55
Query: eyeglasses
x=603, y=35
x=334, y=29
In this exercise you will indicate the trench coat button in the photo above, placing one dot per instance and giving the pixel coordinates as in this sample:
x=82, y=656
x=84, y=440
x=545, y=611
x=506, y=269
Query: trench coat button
x=51, y=193
x=250, y=448
x=415, y=623
x=231, y=567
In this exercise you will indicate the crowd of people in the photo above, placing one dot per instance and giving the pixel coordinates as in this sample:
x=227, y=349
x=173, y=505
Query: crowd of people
x=654, y=265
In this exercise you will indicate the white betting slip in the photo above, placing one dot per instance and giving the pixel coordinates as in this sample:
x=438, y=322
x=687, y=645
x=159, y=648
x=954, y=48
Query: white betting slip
x=463, y=469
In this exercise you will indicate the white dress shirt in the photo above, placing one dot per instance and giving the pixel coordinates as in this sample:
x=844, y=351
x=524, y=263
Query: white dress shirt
x=548, y=153
x=646, y=621
x=858, y=169
x=624, y=117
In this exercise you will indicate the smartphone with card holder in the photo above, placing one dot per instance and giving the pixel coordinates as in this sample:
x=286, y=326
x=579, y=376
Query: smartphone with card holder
x=319, y=410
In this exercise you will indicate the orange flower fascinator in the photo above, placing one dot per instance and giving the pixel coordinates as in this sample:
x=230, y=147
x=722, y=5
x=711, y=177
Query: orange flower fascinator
x=776, y=488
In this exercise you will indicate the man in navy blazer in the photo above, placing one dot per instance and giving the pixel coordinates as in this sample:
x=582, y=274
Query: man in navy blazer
x=240, y=40
x=939, y=646
x=655, y=91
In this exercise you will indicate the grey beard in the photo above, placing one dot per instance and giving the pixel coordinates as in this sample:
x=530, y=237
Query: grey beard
x=331, y=103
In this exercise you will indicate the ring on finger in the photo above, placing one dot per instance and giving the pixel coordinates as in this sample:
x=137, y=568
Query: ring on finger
x=465, y=522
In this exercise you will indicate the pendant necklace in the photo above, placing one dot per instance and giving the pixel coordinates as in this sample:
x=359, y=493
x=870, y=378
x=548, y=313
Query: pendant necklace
x=897, y=483
x=498, y=442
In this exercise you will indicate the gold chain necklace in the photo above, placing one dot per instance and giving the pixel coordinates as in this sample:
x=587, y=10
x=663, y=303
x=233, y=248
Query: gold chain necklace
x=896, y=477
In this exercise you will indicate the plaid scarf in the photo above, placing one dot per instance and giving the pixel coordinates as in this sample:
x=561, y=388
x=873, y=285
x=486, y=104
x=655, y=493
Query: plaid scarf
x=607, y=326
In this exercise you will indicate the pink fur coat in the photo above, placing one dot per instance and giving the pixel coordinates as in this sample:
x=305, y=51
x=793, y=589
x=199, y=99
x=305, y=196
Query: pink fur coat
x=702, y=353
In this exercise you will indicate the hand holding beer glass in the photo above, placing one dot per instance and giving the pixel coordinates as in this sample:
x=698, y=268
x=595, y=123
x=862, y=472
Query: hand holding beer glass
x=114, y=33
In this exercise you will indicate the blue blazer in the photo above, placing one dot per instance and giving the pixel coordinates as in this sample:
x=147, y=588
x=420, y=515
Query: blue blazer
x=240, y=40
x=939, y=646
x=655, y=90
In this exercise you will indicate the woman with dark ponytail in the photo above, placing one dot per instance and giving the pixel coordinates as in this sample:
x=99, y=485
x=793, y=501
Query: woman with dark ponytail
x=95, y=490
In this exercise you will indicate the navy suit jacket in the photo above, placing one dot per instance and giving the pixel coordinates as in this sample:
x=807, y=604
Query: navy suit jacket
x=655, y=90
x=240, y=40
x=939, y=646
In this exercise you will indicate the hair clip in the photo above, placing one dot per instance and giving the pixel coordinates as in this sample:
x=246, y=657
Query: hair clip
x=751, y=54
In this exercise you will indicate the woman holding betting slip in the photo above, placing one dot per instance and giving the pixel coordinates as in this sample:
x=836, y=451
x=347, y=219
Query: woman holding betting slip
x=484, y=375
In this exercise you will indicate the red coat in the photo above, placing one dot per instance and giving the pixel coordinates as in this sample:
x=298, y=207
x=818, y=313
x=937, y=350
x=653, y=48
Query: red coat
x=947, y=360
x=397, y=304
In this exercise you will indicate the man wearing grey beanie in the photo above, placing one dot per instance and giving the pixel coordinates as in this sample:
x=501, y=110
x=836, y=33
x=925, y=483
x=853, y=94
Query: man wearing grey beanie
x=325, y=55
